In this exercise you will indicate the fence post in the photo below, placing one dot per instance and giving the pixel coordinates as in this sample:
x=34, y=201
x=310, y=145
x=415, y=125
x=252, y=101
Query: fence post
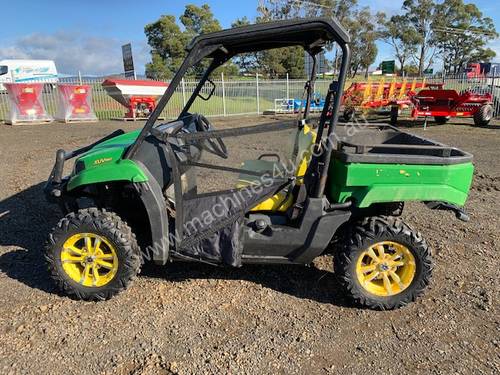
x=257, y=85
x=183, y=83
x=223, y=94
x=287, y=88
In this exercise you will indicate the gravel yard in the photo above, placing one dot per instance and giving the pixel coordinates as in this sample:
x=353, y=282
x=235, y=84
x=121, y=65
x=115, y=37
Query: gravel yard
x=194, y=318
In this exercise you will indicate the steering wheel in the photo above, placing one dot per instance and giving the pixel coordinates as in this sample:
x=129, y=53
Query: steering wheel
x=214, y=145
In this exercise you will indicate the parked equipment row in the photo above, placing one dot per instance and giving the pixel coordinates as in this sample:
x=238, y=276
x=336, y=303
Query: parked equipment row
x=27, y=106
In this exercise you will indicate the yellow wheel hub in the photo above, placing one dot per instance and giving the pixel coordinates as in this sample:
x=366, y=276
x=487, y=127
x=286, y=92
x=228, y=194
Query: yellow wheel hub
x=386, y=268
x=89, y=259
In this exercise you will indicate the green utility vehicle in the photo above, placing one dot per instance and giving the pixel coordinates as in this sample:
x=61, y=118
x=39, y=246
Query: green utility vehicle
x=283, y=192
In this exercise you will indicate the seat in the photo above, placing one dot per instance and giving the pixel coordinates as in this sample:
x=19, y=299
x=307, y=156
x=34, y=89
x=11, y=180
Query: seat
x=282, y=201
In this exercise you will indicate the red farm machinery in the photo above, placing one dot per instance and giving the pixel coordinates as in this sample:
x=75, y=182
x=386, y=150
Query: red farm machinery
x=372, y=96
x=442, y=104
x=423, y=99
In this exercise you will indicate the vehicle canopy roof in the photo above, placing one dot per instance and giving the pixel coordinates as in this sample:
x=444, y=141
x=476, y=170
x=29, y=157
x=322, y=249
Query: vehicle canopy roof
x=310, y=33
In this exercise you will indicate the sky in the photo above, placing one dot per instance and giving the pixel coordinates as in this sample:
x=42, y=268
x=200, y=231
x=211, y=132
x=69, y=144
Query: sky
x=86, y=36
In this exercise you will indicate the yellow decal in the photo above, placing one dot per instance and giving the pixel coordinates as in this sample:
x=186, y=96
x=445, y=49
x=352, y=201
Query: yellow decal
x=102, y=161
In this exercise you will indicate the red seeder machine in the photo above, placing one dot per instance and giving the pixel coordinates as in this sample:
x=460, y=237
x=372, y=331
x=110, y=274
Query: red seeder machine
x=444, y=104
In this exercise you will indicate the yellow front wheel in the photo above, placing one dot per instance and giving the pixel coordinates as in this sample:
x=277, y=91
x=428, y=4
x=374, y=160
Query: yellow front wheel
x=92, y=254
x=89, y=259
x=384, y=264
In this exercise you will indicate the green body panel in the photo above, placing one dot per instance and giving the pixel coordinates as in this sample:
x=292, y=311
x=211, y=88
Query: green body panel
x=104, y=163
x=379, y=183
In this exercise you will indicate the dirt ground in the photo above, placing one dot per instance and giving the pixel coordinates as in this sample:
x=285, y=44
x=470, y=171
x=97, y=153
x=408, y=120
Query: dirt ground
x=192, y=319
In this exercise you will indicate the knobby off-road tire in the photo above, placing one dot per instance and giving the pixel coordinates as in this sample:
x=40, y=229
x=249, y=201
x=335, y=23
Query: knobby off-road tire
x=118, y=254
x=389, y=230
x=441, y=120
x=484, y=115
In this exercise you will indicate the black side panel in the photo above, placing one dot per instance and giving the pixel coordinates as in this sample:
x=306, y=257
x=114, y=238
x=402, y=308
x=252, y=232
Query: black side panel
x=153, y=154
x=154, y=202
x=297, y=245
x=212, y=225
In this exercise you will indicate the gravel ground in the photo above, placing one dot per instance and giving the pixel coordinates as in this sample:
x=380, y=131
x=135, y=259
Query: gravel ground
x=190, y=318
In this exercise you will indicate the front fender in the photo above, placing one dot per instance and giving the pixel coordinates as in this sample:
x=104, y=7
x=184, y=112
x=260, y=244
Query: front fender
x=122, y=170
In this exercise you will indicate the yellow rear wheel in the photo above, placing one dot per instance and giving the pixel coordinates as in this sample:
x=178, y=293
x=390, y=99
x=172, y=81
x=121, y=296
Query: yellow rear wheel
x=384, y=264
x=386, y=268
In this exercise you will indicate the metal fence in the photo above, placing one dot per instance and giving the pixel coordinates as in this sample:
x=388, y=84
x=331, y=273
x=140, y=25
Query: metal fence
x=252, y=95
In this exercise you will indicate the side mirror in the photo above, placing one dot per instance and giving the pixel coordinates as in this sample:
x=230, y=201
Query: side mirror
x=206, y=89
x=4, y=69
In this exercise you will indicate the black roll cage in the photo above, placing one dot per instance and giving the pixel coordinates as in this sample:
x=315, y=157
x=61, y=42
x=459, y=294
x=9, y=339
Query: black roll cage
x=312, y=34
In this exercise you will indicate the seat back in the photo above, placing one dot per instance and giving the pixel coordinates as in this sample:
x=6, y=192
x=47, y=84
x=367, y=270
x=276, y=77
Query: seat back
x=305, y=139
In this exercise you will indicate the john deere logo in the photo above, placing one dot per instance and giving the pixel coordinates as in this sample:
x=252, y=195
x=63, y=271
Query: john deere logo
x=102, y=161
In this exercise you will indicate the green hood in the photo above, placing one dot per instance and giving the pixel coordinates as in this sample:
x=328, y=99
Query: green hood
x=104, y=163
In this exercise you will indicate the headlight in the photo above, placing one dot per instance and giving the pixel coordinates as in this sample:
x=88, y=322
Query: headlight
x=79, y=166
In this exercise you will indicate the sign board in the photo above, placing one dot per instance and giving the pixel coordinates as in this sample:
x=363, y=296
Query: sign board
x=388, y=67
x=429, y=71
x=321, y=67
x=128, y=60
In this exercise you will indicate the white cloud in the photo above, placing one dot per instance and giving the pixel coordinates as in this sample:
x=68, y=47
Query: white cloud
x=74, y=52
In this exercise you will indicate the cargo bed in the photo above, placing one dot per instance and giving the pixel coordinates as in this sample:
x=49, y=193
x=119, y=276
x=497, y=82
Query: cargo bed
x=379, y=163
x=387, y=145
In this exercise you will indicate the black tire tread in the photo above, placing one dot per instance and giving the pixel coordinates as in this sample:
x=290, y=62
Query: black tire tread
x=371, y=229
x=117, y=231
x=441, y=120
x=481, y=117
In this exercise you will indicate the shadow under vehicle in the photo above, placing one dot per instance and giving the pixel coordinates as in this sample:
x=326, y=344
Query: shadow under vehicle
x=284, y=192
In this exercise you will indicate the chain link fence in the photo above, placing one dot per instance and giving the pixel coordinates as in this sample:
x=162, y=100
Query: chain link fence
x=250, y=95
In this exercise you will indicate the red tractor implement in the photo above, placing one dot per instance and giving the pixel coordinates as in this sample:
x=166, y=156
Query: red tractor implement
x=370, y=96
x=444, y=104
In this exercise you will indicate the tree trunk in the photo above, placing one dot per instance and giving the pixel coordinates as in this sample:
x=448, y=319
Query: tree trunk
x=355, y=71
x=402, y=64
x=421, y=60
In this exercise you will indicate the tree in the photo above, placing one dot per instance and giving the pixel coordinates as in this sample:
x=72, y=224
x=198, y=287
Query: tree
x=278, y=62
x=363, y=41
x=168, y=43
x=342, y=10
x=398, y=32
x=461, y=34
x=157, y=69
x=246, y=61
x=199, y=20
x=421, y=15
x=410, y=70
